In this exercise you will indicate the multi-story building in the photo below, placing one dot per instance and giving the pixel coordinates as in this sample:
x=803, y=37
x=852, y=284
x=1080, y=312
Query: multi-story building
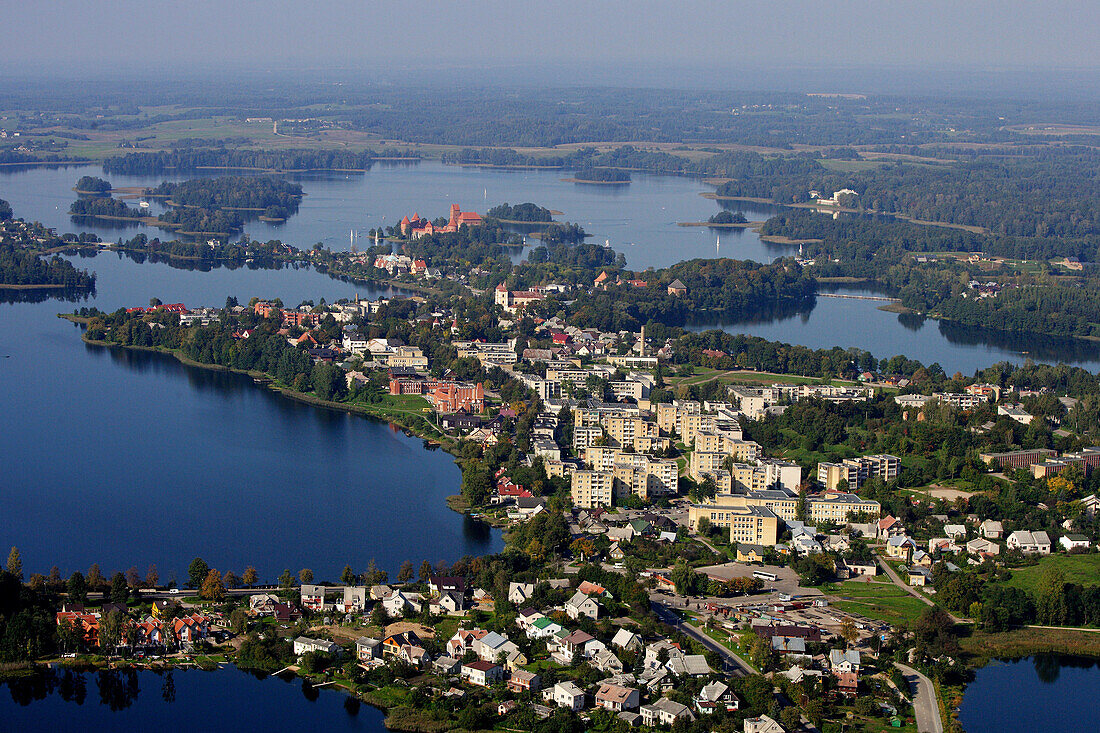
x=408, y=356
x=591, y=489
x=585, y=437
x=765, y=474
x=961, y=400
x=837, y=507
x=857, y=470
x=755, y=525
x=1018, y=458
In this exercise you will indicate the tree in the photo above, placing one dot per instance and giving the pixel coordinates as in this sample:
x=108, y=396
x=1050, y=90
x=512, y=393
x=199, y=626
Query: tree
x=133, y=578
x=231, y=580
x=152, y=577
x=120, y=591
x=197, y=572
x=77, y=588
x=213, y=589
x=95, y=578
x=405, y=574
x=305, y=575
x=15, y=563
x=935, y=633
x=425, y=571
x=848, y=630
x=1051, y=607
x=238, y=620
x=110, y=631
x=348, y=576
x=286, y=580
x=249, y=577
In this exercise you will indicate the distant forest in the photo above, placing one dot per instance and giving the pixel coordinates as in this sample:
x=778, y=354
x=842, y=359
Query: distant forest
x=191, y=158
x=21, y=267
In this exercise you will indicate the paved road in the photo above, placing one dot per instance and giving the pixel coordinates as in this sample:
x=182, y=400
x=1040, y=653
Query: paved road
x=924, y=701
x=735, y=665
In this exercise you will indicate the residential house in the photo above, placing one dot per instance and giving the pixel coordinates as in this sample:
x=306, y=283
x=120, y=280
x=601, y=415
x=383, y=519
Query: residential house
x=520, y=593
x=750, y=553
x=715, y=696
x=260, y=604
x=464, y=640
x=628, y=640
x=392, y=644
x=523, y=681
x=890, y=526
x=844, y=661
x=606, y=662
x=688, y=665
x=1074, y=542
x=582, y=605
x=992, y=529
x=355, y=598
x=367, y=648
x=900, y=547
x=482, y=673
x=438, y=585
x=763, y=724
x=616, y=698
x=980, y=546
x=447, y=666
x=304, y=645
x=565, y=695
x=313, y=597
x=1029, y=543
x=955, y=531
x=494, y=647
x=665, y=712
x=918, y=576
x=398, y=603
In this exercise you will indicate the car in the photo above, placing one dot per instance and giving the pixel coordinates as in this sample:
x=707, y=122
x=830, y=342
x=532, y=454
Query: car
x=174, y=591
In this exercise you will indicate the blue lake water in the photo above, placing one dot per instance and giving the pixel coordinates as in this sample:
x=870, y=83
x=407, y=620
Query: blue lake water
x=186, y=701
x=1049, y=693
x=639, y=219
x=129, y=459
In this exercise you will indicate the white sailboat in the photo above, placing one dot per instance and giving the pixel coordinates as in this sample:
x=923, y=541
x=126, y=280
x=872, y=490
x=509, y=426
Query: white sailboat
x=718, y=245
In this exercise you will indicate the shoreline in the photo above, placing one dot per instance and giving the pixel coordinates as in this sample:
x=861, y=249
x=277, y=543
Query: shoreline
x=714, y=225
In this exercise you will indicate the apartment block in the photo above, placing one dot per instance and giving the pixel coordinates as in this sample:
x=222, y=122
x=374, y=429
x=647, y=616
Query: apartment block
x=857, y=470
x=591, y=489
x=755, y=525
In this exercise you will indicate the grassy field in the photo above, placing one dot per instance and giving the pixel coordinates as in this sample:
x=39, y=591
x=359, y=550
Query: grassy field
x=880, y=600
x=1028, y=641
x=1080, y=569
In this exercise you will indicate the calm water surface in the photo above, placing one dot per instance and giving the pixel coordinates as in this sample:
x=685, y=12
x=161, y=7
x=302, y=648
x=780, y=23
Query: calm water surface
x=638, y=219
x=226, y=700
x=1049, y=693
x=128, y=459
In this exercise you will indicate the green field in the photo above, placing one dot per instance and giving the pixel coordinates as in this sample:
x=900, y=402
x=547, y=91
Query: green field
x=705, y=374
x=1080, y=569
x=880, y=600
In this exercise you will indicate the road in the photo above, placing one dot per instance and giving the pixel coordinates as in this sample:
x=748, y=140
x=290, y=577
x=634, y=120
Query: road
x=734, y=665
x=913, y=591
x=924, y=700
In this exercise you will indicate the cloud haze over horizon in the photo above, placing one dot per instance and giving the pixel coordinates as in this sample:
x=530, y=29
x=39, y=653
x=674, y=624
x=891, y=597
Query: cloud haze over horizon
x=614, y=40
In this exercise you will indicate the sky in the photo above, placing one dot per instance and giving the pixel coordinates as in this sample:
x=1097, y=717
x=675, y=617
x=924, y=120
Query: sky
x=603, y=39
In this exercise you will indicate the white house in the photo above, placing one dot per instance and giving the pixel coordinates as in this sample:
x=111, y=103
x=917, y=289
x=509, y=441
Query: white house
x=1074, y=542
x=714, y=696
x=520, y=593
x=763, y=724
x=1029, y=543
x=665, y=712
x=582, y=605
x=843, y=661
x=482, y=673
x=992, y=529
x=565, y=695
x=304, y=645
x=626, y=639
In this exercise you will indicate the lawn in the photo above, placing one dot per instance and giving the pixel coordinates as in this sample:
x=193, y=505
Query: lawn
x=736, y=376
x=1080, y=569
x=878, y=600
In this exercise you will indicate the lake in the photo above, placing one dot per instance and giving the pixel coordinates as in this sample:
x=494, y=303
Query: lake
x=186, y=701
x=130, y=459
x=827, y=322
x=1049, y=693
x=639, y=219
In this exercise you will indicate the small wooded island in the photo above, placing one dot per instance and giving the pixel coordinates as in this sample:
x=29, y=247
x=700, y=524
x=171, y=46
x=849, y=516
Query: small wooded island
x=218, y=206
x=600, y=175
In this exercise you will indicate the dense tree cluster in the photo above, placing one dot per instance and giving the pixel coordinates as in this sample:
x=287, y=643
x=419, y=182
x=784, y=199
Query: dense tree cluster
x=22, y=267
x=189, y=158
x=520, y=212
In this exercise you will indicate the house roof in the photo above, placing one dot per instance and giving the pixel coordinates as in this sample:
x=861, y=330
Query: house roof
x=614, y=693
x=480, y=666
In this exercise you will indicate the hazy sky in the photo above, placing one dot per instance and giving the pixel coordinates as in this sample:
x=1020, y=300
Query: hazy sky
x=725, y=34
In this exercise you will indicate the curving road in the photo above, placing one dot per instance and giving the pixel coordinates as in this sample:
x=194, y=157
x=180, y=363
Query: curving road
x=734, y=664
x=924, y=700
